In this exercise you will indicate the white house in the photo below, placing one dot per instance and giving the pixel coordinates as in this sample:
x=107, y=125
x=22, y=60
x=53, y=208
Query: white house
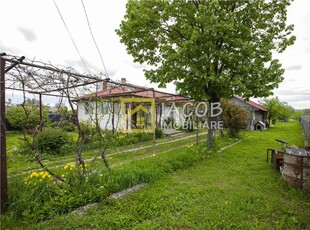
x=127, y=107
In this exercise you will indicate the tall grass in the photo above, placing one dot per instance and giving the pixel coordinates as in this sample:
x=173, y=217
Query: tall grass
x=35, y=199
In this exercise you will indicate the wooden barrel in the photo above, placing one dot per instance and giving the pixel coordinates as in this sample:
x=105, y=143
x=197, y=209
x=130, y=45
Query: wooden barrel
x=296, y=170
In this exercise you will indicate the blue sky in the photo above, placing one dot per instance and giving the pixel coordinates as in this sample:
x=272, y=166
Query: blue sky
x=35, y=30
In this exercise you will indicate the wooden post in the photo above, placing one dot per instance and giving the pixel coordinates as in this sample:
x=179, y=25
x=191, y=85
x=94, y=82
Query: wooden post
x=113, y=117
x=4, y=179
x=154, y=134
x=41, y=112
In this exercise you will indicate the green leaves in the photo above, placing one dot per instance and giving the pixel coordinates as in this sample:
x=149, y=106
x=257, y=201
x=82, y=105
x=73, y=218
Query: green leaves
x=209, y=49
x=26, y=116
x=277, y=109
x=51, y=140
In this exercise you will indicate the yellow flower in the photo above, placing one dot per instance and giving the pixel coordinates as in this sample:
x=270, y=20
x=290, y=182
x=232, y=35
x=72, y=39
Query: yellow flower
x=62, y=175
x=190, y=146
x=154, y=155
x=34, y=174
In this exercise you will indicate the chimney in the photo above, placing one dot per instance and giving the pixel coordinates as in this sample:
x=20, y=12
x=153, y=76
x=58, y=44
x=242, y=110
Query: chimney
x=123, y=80
x=105, y=85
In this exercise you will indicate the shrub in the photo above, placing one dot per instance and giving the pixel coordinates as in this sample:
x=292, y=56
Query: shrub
x=51, y=140
x=234, y=117
x=144, y=136
x=89, y=131
x=159, y=132
x=67, y=125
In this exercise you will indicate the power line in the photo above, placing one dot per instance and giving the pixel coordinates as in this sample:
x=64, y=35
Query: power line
x=71, y=37
x=91, y=32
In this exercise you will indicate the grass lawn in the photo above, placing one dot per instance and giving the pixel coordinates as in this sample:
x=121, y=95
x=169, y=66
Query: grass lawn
x=235, y=188
x=18, y=163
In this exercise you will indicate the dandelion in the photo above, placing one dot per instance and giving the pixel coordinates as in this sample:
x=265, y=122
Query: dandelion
x=190, y=146
x=62, y=175
x=153, y=154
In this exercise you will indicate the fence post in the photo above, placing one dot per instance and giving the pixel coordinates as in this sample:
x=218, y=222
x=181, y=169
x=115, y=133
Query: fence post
x=3, y=173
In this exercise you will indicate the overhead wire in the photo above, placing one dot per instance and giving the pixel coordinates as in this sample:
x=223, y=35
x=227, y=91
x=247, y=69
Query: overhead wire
x=93, y=37
x=63, y=20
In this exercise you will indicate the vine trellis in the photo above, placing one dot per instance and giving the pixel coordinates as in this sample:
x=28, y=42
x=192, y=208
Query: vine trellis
x=45, y=79
x=37, y=77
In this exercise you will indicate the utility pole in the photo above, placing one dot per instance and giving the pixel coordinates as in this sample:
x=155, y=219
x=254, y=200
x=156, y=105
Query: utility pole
x=3, y=170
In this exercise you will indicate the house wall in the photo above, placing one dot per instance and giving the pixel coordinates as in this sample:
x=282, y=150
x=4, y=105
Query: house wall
x=86, y=112
x=239, y=102
x=256, y=114
x=172, y=112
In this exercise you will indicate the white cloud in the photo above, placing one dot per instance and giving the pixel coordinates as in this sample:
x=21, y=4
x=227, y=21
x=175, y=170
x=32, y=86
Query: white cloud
x=45, y=37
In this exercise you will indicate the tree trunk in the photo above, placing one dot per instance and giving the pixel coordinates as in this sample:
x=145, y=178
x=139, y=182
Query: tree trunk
x=210, y=139
x=211, y=130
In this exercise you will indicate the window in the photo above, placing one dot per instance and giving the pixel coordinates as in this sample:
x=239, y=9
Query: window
x=87, y=108
x=104, y=107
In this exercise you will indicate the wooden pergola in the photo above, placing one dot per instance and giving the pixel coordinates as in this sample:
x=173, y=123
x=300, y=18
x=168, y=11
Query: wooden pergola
x=46, y=79
x=34, y=77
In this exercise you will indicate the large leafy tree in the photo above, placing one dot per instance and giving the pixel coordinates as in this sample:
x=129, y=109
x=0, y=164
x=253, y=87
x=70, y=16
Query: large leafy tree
x=210, y=49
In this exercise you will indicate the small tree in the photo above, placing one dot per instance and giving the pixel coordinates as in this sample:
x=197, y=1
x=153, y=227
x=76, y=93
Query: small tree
x=234, y=117
x=26, y=115
x=277, y=109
